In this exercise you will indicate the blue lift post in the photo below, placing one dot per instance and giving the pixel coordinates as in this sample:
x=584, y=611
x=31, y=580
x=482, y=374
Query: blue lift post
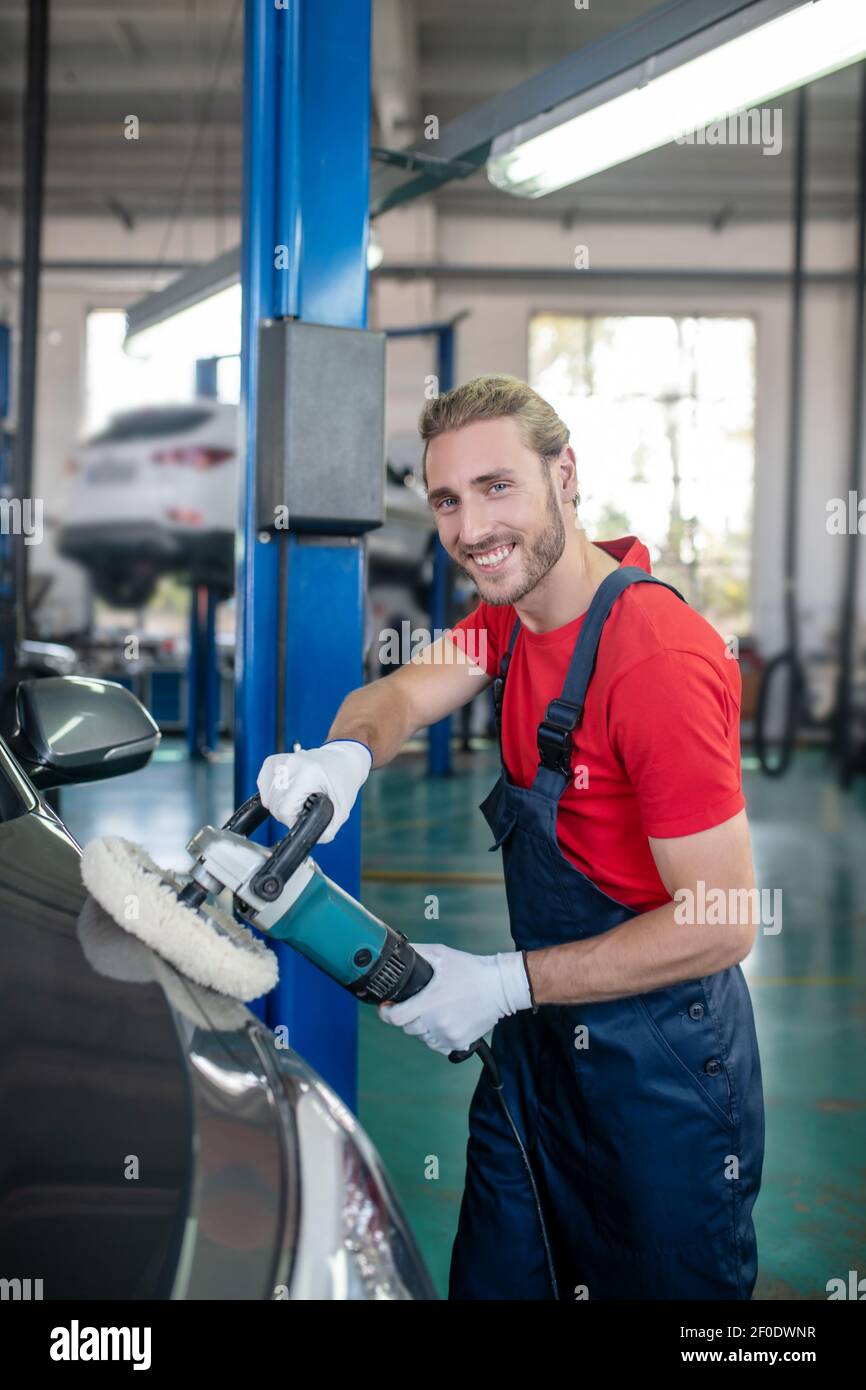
x=304, y=255
x=439, y=742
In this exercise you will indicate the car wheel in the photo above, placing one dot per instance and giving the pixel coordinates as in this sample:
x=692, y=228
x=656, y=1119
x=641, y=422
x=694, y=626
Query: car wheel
x=126, y=588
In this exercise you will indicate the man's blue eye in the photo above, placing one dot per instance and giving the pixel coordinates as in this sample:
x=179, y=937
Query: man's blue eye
x=493, y=485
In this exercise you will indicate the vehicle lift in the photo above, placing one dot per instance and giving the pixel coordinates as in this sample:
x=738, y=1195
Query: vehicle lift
x=300, y=589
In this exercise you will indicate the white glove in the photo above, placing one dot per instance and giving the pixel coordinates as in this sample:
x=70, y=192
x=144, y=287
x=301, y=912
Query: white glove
x=337, y=769
x=465, y=998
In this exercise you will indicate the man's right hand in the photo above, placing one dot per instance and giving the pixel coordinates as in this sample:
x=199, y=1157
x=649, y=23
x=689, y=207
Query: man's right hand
x=338, y=770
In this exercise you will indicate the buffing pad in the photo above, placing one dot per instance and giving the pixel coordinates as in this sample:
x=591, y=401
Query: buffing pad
x=206, y=943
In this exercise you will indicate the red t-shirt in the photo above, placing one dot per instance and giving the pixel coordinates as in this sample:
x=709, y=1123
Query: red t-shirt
x=658, y=750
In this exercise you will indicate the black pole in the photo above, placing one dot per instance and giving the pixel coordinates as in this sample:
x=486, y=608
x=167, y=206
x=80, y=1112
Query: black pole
x=785, y=668
x=34, y=179
x=795, y=414
x=848, y=634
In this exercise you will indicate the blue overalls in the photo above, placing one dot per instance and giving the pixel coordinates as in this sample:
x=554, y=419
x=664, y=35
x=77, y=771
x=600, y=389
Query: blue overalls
x=642, y=1117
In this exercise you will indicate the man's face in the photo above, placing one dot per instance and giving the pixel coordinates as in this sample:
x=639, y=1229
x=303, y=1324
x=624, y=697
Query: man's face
x=495, y=506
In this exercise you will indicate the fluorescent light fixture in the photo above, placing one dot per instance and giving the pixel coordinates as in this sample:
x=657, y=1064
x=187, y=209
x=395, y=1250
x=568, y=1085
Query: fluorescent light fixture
x=198, y=283
x=676, y=93
x=210, y=327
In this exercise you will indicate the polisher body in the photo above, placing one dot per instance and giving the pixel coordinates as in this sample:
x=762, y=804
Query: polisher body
x=314, y=916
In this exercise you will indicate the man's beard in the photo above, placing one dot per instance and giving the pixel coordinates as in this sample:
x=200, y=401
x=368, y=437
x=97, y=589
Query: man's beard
x=540, y=557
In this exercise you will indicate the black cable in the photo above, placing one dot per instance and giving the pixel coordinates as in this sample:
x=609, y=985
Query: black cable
x=776, y=762
x=492, y=1070
x=15, y=613
x=848, y=636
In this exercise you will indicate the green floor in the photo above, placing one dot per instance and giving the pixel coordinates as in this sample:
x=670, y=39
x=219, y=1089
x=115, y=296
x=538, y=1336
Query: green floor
x=808, y=986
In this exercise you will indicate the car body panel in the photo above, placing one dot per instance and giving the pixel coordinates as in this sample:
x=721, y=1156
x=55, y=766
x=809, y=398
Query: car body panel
x=91, y=1084
x=157, y=1142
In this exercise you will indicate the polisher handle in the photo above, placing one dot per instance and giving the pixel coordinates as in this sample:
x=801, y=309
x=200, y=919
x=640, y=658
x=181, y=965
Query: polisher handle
x=291, y=852
x=248, y=817
x=243, y=821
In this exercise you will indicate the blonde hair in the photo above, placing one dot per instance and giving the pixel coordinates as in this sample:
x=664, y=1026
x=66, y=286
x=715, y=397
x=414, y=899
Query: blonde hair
x=495, y=398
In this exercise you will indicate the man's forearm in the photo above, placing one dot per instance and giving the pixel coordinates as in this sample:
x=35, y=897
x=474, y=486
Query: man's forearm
x=648, y=952
x=376, y=714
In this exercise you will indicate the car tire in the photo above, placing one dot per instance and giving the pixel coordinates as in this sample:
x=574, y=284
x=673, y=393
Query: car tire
x=131, y=587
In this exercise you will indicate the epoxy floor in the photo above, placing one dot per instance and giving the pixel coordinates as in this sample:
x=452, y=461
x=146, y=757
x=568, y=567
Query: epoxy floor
x=427, y=871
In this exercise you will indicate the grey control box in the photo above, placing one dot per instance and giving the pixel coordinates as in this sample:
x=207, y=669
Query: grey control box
x=320, y=428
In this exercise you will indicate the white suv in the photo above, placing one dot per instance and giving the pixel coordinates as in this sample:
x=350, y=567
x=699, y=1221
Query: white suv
x=155, y=492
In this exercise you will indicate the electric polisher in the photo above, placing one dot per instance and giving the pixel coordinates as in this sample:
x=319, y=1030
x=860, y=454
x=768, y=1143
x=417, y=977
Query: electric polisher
x=279, y=890
x=283, y=893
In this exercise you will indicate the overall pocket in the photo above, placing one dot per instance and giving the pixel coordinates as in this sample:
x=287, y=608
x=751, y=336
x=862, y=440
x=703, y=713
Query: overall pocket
x=662, y=1155
x=502, y=830
x=704, y=1052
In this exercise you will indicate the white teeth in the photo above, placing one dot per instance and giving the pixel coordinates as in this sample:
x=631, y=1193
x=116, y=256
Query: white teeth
x=493, y=557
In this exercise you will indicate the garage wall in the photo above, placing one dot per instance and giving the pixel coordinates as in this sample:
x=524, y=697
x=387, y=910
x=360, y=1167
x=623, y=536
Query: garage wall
x=494, y=337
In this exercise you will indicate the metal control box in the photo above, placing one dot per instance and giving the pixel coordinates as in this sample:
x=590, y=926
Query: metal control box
x=320, y=428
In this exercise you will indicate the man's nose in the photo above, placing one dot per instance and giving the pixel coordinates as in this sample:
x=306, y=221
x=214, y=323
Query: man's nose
x=474, y=522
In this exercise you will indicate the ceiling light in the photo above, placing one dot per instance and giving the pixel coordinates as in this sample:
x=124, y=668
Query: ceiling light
x=681, y=90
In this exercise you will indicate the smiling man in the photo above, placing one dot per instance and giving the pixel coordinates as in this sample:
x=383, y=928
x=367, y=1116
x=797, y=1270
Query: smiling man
x=624, y=1035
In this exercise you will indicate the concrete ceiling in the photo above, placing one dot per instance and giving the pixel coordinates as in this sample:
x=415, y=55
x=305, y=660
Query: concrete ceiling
x=178, y=66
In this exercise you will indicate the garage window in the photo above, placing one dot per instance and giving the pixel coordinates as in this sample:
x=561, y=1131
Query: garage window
x=662, y=418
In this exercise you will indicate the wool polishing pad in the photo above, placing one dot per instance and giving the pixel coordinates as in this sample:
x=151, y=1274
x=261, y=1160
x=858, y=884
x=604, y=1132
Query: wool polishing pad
x=206, y=944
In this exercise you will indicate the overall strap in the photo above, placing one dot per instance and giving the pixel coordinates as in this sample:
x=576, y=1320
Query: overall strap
x=564, y=715
x=499, y=684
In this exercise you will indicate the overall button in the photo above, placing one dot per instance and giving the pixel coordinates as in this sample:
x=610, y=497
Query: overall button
x=713, y=1066
x=696, y=1011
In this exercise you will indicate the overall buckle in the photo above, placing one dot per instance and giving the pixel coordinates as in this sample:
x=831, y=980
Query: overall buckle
x=554, y=736
x=499, y=689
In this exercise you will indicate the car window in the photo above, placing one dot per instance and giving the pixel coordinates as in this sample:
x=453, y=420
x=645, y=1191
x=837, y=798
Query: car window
x=151, y=423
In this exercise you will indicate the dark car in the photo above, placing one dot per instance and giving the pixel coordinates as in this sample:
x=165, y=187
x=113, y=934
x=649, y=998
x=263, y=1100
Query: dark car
x=157, y=1143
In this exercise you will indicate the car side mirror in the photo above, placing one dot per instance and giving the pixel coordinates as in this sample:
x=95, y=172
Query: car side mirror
x=68, y=729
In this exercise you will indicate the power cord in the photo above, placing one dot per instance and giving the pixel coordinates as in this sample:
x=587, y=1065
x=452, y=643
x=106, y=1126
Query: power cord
x=494, y=1076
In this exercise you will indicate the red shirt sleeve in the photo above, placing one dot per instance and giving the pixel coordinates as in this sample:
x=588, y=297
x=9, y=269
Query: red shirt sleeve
x=674, y=722
x=479, y=635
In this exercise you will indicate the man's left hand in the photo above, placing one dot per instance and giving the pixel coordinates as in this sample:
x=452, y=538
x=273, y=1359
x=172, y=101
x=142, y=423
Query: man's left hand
x=465, y=998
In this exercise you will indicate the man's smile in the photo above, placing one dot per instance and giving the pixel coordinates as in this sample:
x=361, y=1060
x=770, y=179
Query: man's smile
x=494, y=558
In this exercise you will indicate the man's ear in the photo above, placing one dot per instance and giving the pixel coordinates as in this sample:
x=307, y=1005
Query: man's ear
x=567, y=465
